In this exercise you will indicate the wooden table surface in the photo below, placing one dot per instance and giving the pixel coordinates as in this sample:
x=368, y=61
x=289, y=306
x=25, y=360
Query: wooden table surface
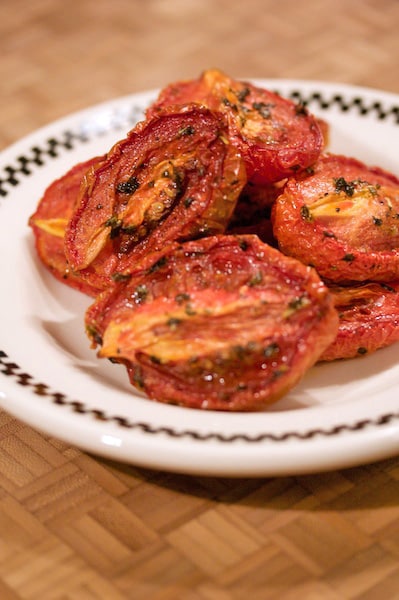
x=76, y=526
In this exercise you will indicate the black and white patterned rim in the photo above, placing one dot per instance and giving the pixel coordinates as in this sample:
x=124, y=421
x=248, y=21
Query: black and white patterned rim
x=50, y=149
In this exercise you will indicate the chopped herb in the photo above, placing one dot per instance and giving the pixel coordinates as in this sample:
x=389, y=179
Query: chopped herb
x=377, y=221
x=305, y=213
x=263, y=108
x=115, y=224
x=173, y=322
x=243, y=94
x=138, y=379
x=190, y=312
x=188, y=130
x=278, y=373
x=256, y=279
x=349, y=257
x=373, y=189
x=227, y=102
x=297, y=303
x=341, y=185
x=188, y=201
x=180, y=298
x=129, y=186
x=140, y=294
x=161, y=262
x=121, y=277
x=93, y=333
x=271, y=350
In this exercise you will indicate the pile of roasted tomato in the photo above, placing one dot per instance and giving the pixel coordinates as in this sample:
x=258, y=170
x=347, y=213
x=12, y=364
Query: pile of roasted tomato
x=227, y=250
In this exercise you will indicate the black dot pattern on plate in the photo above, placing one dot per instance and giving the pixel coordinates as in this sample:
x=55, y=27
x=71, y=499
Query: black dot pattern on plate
x=356, y=104
x=11, y=369
x=50, y=149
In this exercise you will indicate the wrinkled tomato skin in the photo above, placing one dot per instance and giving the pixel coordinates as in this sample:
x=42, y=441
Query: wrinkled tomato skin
x=221, y=323
x=174, y=177
x=343, y=219
x=368, y=319
x=49, y=222
x=179, y=93
x=275, y=136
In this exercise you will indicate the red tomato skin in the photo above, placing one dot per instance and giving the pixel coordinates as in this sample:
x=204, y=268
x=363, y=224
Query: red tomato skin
x=275, y=136
x=347, y=238
x=221, y=323
x=208, y=175
x=57, y=205
x=368, y=319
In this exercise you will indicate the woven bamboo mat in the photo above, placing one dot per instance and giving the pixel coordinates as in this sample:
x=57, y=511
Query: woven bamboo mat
x=73, y=526
x=76, y=527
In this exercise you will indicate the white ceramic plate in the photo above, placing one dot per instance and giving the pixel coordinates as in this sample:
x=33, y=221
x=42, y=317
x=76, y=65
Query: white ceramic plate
x=340, y=415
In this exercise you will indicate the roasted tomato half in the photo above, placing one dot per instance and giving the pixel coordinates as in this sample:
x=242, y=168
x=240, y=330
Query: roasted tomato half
x=276, y=136
x=226, y=323
x=174, y=177
x=343, y=218
x=368, y=319
x=50, y=220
